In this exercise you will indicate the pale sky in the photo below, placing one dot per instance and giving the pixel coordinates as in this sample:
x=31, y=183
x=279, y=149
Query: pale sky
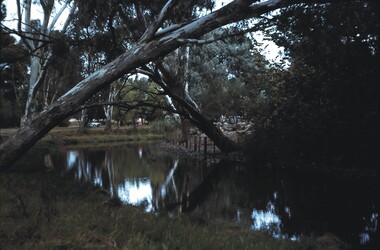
x=37, y=13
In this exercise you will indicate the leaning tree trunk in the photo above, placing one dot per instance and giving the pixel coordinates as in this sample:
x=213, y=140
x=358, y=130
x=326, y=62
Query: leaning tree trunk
x=68, y=104
x=152, y=46
x=173, y=85
x=204, y=124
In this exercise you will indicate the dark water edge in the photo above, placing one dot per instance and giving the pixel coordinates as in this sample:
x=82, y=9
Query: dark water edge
x=40, y=209
x=287, y=203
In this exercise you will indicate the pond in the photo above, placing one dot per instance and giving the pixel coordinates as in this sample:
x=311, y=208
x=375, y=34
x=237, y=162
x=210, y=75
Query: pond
x=287, y=204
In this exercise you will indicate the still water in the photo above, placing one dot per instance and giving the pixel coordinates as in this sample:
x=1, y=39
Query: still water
x=287, y=204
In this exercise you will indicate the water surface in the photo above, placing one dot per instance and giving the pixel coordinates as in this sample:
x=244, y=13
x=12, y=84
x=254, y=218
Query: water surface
x=287, y=204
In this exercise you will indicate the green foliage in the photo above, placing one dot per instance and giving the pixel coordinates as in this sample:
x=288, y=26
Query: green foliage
x=12, y=71
x=166, y=124
x=3, y=11
x=142, y=99
x=325, y=108
x=221, y=73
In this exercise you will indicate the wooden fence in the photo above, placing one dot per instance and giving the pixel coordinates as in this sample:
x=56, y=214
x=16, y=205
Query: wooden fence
x=195, y=143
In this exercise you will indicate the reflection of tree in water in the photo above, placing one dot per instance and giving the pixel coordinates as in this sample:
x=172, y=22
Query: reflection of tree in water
x=289, y=203
x=138, y=171
x=286, y=203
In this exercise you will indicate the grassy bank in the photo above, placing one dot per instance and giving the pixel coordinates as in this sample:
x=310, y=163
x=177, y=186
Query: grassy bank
x=41, y=210
x=69, y=135
x=94, y=136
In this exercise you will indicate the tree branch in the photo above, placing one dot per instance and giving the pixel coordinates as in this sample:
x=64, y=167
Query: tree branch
x=47, y=9
x=151, y=31
x=70, y=17
x=30, y=47
x=141, y=54
x=42, y=75
x=220, y=38
x=168, y=29
x=140, y=15
x=55, y=19
x=23, y=36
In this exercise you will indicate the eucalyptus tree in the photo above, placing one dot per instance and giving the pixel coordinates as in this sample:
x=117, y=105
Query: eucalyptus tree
x=222, y=73
x=13, y=68
x=214, y=74
x=160, y=38
x=36, y=34
x=110, y=27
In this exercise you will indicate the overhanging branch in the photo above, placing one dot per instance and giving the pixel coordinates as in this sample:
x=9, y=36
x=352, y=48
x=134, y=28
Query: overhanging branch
x=143, y=53
x=219, y=38
x=151, y=31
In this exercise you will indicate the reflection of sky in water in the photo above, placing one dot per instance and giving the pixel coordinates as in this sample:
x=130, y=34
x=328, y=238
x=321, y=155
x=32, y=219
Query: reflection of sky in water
x=140, y=192
x=132, y=191
x=371, y=227
x=72, y=157
x=97, y=179
x=140, y=150
x=268, y=220
x=136, y=192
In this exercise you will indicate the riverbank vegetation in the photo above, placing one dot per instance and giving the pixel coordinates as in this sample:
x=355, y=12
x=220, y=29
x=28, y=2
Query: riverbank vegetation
x=316, y=105
x=192, y=66
x=42, y=210
x=95, y=136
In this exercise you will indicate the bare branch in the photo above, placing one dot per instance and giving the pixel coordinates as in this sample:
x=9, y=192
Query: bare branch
x=140, y=15
x=28, y=6
x=169, y=29
x=27, y=43
x=23, y=35
x=151, y=31
x=199, y=41
x=54, y=21
x=42, y=75
x=220, y=38
x=145, y=72
x=152, y=94
x=45, y=22
x=141, y=54
x=70, y=17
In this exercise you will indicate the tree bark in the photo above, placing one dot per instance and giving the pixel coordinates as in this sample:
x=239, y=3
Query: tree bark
x=108, y=109
x=82, y=121
x=142, y=54
x=37, y=36
x=207, y=126
x=175, y=88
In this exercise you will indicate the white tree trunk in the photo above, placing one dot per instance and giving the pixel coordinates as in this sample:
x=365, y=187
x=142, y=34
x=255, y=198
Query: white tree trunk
x=140, y=55
x=35, y=67
x=37, y=71
x=108, y=109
